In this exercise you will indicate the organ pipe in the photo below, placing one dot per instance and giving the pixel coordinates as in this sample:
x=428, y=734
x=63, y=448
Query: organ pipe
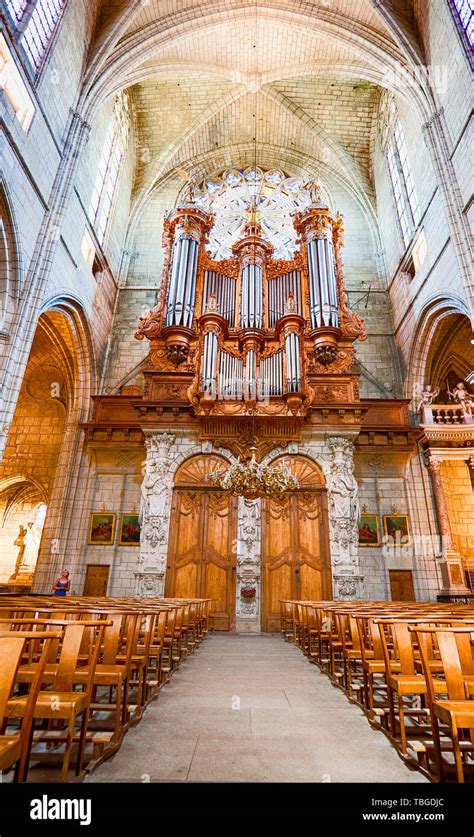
x=251, y=307
x=223, y=288
x=278, y=291
x=209, y=364
x=230, y=377
x=271, y=375
x=293, y=362
x=182, y=289
x=250, y=375
x=322, y=284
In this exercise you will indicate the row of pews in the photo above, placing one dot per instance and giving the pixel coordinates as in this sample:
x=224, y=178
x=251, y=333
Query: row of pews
x=76, y=673
x=409, y=666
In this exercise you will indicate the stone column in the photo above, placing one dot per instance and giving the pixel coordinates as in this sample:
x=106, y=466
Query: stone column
x=155, y=512
x=344, y=515
x=452, y=570
x=248, y=566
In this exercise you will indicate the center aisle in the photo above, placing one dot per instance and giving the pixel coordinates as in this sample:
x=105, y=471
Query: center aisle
x=252, y=709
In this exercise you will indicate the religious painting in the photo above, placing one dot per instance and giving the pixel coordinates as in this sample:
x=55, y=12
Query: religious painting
x=369, y=530
x=129, y=532
x=102, y=529
x=396, y=528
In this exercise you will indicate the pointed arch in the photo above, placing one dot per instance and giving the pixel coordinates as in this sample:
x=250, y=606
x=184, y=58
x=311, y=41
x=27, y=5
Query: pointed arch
x=10, y=261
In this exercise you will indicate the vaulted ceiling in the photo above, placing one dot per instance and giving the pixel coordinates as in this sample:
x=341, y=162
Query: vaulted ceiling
x=209, y=82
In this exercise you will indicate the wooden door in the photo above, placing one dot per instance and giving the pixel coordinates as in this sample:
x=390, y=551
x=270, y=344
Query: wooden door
x=203, y=531
x=97, y=577
x=295, y=553
x=401, y=586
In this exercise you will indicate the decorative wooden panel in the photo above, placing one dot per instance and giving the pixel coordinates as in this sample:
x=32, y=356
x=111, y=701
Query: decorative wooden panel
x=201, y=555
x=97, y=577
x=295, y=553
x=401, y=585
x=196, y=469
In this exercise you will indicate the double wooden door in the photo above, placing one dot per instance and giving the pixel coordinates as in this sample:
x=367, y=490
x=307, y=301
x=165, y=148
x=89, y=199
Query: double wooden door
x=201, y=553
x=295, y=549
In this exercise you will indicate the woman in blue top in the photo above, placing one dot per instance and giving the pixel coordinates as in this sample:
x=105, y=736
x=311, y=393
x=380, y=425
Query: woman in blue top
x=62, y=584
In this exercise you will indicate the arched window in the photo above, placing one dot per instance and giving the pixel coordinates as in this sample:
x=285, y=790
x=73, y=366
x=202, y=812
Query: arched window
x=463, y=13
x=116, y=140
x=230, y=195
x=37, y=23
x=401, y=177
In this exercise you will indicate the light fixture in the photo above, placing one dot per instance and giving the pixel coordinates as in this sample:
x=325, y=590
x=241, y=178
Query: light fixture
x=251, y=479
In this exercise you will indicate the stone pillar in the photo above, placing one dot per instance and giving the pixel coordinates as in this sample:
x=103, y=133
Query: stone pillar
x=155, y=512
x=248, y=566
x=452, y=570
x=344, y=515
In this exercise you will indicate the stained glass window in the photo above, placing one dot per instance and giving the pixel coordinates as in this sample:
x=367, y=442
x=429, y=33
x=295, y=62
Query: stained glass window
x=38, y=22
x=101, y=205
x=230, y=195
x=401, y=177
x=464, y=12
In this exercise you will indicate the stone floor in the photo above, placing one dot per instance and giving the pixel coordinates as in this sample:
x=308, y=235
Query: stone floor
x=251, y=708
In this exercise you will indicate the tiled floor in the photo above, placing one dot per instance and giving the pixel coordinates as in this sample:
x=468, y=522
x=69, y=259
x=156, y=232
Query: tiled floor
x=251, y=708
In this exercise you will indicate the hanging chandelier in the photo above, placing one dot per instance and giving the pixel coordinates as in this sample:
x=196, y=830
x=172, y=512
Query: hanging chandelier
x=252, y=480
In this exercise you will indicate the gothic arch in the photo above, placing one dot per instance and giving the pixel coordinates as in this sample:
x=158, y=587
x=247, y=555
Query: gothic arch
x=77, y=346
x=434, y=319
x=10, y=260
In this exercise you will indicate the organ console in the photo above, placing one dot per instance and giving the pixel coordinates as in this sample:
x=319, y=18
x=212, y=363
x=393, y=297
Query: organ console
x=253, y=332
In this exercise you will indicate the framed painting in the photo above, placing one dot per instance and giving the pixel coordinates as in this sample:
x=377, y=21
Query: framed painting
x=397, y=528
x=102, y=529
x=129, y=532
x=369, y=530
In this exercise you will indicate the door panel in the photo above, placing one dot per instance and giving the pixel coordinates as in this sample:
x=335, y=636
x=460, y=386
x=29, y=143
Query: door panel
x=201, y=559
x=401, y=586
x=97, y=576
x=295, y=558
x=184, y=539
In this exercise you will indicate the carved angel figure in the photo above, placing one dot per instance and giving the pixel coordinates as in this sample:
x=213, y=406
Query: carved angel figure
x=426, y=397
x=461, y=396
x=314, y=190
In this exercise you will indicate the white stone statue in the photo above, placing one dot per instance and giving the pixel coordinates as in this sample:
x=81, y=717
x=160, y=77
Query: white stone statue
x=461, y=396
x=343, y=490
x=32, y=540
x=344, y=510
x=426, y=397
x=154, y=491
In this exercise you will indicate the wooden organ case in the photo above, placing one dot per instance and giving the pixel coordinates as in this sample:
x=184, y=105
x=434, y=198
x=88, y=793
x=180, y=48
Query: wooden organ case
x=251, y=335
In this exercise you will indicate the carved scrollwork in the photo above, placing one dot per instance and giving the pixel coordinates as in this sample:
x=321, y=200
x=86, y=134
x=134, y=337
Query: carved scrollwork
x=342, y=362
x=352, y=324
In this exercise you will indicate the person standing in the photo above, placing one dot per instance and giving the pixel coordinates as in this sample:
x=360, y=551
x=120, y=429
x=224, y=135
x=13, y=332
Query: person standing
x=62, y=585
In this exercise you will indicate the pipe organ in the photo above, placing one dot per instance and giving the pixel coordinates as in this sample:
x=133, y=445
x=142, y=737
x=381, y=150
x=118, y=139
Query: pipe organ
x=279, y=290
x=251, y=329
